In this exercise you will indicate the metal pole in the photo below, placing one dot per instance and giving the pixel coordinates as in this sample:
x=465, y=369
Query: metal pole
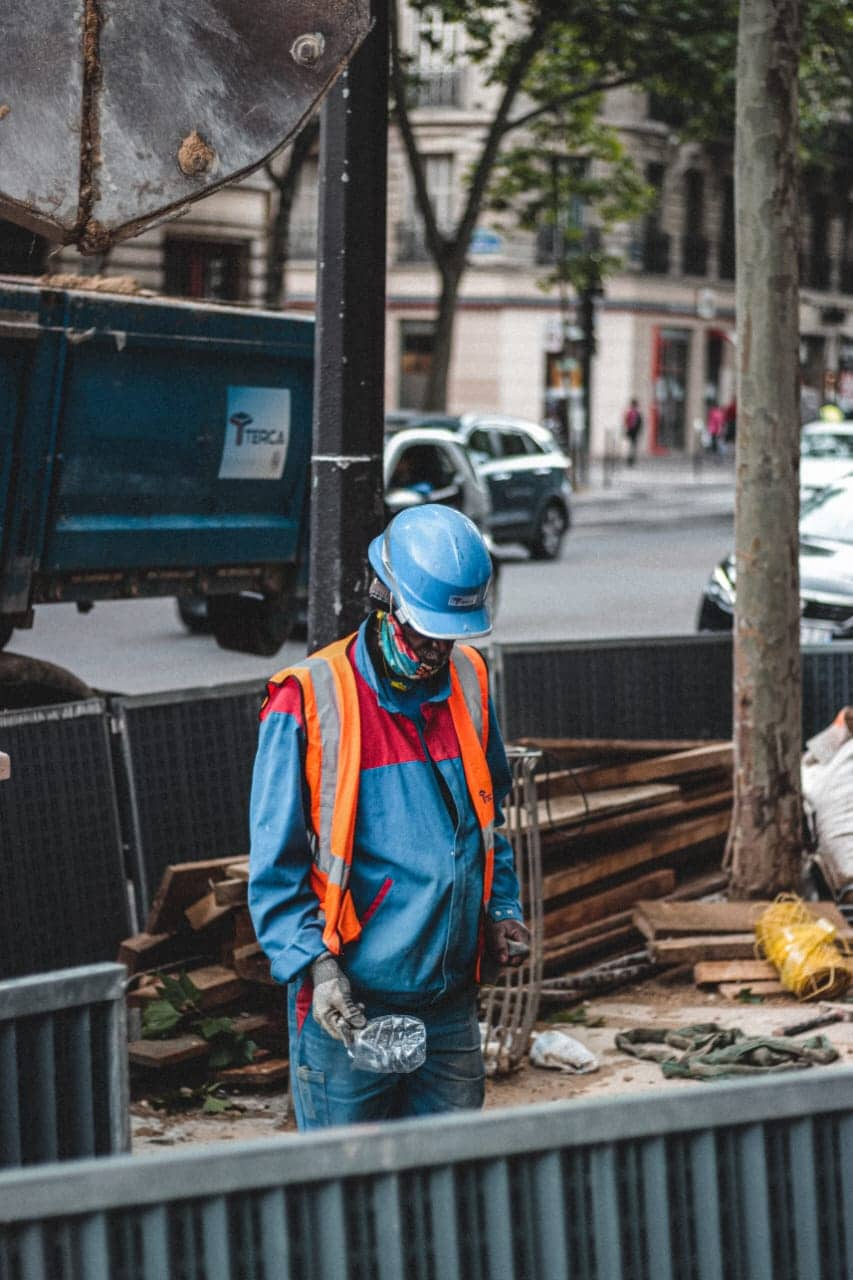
x=346, y=467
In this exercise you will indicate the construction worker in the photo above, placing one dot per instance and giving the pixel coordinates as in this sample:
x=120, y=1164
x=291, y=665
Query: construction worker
x=378, y=882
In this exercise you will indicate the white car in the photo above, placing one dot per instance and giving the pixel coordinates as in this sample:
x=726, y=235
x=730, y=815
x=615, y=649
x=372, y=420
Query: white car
x=826, y=454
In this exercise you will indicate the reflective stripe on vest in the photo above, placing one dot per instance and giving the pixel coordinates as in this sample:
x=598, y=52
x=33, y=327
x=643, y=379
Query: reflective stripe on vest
x=333, y=767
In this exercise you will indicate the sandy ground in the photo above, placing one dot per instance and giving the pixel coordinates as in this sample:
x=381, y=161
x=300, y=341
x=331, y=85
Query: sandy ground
x=654, y=1004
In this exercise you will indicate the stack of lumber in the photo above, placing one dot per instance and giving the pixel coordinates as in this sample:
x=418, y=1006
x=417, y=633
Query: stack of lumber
x=718, y=940
x=199, y=924
x=621, y=821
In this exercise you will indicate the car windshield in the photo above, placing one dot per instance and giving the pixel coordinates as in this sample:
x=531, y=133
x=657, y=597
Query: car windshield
x=829, y=515
x=828, y=446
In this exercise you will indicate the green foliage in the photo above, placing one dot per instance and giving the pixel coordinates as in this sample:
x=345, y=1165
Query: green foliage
x=579, y=1017
x=747, y=996
x=210, y=1097
x=179, y=1010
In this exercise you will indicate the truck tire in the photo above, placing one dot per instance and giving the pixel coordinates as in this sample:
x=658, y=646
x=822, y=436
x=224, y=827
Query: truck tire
x=251, y=623
x=193, y=612
x=6, y=630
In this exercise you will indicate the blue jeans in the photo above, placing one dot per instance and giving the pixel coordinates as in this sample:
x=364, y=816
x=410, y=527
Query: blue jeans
x=328, y=1090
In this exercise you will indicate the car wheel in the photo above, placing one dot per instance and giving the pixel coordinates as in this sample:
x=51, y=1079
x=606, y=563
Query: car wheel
x=550, y=532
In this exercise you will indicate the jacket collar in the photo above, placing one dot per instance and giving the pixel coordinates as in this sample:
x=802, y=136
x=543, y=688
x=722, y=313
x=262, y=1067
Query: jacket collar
x=397, y=701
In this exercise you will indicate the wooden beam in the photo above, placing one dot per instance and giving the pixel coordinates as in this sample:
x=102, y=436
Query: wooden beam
x=183, y=883
x=658, y=919
x=5, y=766
x=613, y=748
x=556, y=839
x=598, y=905
x=681, y=838
x=731, y=946
x=717, y=756
x=579, y=808
x=710, y=972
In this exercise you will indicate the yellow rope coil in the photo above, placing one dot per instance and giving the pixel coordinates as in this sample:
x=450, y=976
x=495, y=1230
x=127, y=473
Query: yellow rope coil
x=804, y=949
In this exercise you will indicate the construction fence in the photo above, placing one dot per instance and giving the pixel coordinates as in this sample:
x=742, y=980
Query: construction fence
x=105, y=793
x=724, y=1181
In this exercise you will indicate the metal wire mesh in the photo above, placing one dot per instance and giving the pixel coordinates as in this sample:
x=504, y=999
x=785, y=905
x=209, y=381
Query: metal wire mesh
x=510, y=1006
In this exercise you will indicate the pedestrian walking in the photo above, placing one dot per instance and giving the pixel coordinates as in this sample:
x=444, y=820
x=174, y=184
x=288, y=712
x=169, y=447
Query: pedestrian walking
x=633, y=424
x=715, y=427
x=378, y=882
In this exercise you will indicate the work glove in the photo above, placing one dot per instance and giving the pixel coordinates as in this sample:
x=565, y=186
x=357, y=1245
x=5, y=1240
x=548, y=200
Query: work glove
x=333, y=1006
x=507, y=942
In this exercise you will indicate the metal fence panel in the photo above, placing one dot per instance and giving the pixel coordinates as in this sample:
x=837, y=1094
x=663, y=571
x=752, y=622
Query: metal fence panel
x=187, y=764
x=63, y=1073
x=64, y=894
x=724, y=1181
x=654, y=687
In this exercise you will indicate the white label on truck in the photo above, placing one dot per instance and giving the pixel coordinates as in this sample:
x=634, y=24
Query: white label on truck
x=257, y=429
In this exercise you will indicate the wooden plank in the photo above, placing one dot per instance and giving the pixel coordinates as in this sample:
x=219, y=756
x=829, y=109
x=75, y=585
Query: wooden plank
x=5, y=767
x=710, y=972
x=556, y=838
x=722, y=946
x=669, y=919
x=145, y=951
x=183, y=883
x=768, y=987
x=578, y=808
x=267, y=1072
x=231, y=893
x=597, y=906
x=238, y=870
x=569, y=953
x=655, y=844
x=619, y=748
x=252, y=965
x=166, y=1053
x=206, y=911
x=680, y=764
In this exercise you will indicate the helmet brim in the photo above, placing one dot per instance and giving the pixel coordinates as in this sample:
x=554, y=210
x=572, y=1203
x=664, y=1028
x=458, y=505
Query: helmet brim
x=466, y=624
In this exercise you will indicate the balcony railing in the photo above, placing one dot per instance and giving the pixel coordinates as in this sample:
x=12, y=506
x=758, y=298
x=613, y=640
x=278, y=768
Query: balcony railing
x=438, y=89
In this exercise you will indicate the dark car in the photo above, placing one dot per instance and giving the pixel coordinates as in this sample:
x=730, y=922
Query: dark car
x=528, y=475
x=826, y=572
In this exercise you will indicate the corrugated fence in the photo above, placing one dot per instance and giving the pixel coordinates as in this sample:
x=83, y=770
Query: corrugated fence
x=63, y=1066
x=725, y=1181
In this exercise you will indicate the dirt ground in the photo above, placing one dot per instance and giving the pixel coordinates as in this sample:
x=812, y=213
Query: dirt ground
x=653, y=1003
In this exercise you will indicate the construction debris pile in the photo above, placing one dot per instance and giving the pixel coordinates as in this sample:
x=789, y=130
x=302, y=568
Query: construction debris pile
x=623, y=821
x=199, y=926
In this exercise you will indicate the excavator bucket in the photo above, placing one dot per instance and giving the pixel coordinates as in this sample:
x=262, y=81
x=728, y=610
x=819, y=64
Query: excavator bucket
x=116, y=115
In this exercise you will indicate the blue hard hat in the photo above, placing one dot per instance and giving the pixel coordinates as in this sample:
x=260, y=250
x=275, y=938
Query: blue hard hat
x=437, y=567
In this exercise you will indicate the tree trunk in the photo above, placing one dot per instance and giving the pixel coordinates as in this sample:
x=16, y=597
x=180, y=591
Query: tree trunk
x=284, y=193
x=766, y=840
x=435, y=394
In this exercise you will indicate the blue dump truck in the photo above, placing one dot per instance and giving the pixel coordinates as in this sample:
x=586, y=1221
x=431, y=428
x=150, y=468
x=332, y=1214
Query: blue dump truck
x=153, y=447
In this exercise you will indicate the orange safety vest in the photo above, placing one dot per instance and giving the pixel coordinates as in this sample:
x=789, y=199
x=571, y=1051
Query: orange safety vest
x=333, y=767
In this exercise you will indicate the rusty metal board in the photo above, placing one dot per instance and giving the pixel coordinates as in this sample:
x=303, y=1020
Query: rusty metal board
x=125, y=113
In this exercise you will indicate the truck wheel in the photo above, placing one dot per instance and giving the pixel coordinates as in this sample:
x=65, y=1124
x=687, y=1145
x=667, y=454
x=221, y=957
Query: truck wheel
x=251, y=623
x=193, y=613
x=6, y=630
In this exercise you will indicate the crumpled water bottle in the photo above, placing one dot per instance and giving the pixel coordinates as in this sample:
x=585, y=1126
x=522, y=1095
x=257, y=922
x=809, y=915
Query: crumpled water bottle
x=396, y=1042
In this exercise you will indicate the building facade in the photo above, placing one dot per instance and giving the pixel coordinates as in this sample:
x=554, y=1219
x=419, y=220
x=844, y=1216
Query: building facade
x=664, y=323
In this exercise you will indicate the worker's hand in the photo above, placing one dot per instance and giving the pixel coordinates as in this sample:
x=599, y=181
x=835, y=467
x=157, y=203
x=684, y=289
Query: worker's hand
x=507, y=942
x=333, y=1006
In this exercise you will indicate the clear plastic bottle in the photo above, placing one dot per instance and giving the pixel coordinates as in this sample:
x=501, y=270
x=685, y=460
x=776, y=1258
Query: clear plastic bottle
x=396, y=1042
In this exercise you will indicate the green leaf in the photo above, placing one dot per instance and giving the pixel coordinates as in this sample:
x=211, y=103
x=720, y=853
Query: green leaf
x=159, y=1019
x=748, y=996
x=214, y=1105
x=210, y=1028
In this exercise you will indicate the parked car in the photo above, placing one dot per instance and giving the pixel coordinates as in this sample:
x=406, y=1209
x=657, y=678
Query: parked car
x=419, y=465
x=528, y=475
x=826, y=452
x=826, y=572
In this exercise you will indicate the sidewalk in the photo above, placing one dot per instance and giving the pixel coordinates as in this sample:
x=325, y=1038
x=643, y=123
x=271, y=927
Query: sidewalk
x=656, y=491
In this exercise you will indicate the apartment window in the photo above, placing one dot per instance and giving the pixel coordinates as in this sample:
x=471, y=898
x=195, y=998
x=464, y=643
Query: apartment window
x=214, y=269
x=695, y=246
x=304, y=211
x=815, y=269
x=655, y=248
x=726, y=247
x=417, y=346
x=22, y=252
x=439, y=78
x=411, y=240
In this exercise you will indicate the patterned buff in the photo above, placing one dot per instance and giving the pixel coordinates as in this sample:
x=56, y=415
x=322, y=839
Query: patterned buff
x=402, y=664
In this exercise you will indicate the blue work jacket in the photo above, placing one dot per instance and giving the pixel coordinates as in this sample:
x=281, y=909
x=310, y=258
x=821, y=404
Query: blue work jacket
x=417, y=866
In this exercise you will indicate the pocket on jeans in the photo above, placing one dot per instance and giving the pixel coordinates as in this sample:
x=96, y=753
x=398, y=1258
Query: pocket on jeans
x=312, y=1092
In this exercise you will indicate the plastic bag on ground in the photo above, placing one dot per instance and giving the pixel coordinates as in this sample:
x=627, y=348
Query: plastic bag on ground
x=561, y=1052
